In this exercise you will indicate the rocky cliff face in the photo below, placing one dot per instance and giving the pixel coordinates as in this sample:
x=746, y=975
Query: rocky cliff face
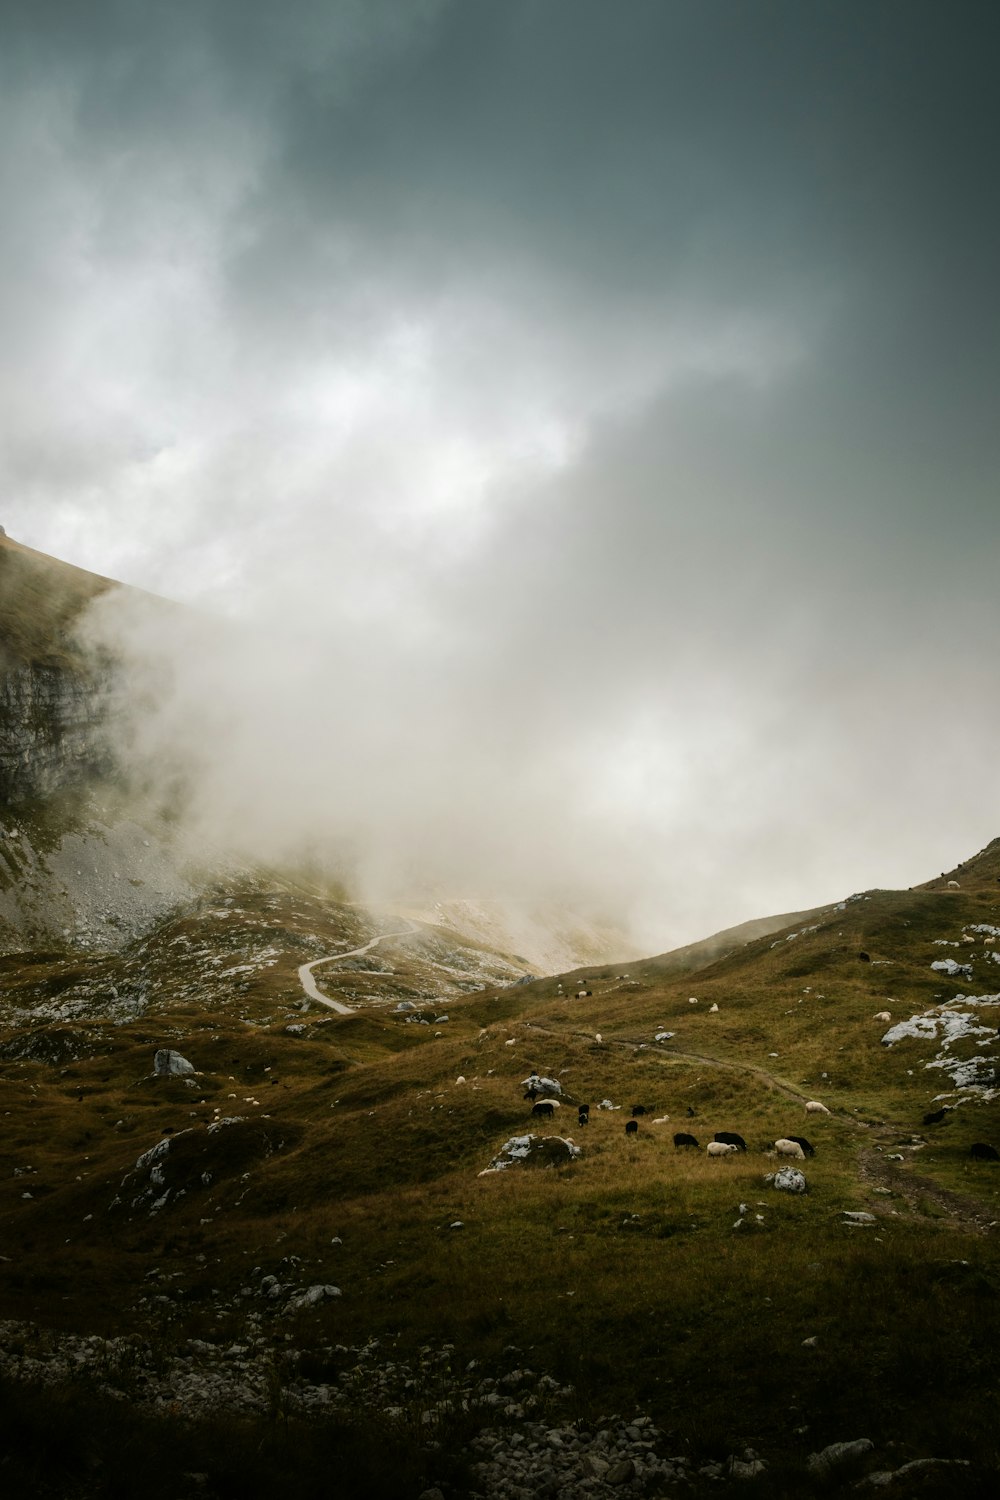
x=53, y=729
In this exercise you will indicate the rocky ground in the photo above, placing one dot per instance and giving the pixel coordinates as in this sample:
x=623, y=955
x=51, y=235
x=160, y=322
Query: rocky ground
x=525, y=1444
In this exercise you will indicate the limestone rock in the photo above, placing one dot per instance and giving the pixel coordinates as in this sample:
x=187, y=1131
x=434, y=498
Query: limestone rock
x=533, y=1151
x=790, y=1180
x=170, y=1064
x=838, y=1454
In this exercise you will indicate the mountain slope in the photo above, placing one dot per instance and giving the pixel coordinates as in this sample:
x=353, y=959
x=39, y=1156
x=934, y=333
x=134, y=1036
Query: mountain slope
x=249, y=1202
x=311, y=1150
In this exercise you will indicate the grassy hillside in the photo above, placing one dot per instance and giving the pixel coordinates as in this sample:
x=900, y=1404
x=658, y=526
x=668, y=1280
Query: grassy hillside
x=41, y=600
x=635, y=1279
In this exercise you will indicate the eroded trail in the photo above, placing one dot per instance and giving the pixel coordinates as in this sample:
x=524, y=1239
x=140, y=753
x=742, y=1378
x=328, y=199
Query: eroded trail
x=309, y=984
x=915, y=1191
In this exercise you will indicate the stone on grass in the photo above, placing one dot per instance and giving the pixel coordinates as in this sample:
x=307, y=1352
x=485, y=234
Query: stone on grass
x=788, y=1180
x=532, y=1151
x=170, y=1064
x=838, y=1454
x=546, y=1087
x=312, y=1296
x=884, y=1477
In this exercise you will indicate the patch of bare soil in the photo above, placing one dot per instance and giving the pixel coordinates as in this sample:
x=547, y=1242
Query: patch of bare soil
x=914, y=1189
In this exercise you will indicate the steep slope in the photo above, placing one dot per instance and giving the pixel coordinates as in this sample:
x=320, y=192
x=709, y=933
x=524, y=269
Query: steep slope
x=55, y=698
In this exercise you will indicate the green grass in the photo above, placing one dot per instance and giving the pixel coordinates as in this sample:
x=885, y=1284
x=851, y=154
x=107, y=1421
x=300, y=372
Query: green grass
x=621, y=1274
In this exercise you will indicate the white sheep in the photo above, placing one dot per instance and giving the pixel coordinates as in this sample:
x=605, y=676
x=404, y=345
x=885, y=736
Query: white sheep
x=720, y=1148
x=790, y=1148
x=713, y=1009
x=882, y=1015
x=815, y=1108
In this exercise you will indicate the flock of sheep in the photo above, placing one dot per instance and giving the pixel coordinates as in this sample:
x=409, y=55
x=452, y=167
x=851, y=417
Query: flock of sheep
x=723, y=1143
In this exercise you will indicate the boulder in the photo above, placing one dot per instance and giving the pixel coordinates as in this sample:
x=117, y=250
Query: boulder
x=790, y=1180
x=544, y=1087
x=532, y=1151
x=170, y=1064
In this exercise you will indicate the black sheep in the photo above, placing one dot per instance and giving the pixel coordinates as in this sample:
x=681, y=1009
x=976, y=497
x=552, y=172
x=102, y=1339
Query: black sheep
x=683, y=1139
x=936, y=1116
x=728, y=1138
x=631, y=1127
x=800, y=1140
x=982, y=1152
x=544, y=1108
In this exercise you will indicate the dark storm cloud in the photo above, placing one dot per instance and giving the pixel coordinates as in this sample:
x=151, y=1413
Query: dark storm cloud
x=606, y=391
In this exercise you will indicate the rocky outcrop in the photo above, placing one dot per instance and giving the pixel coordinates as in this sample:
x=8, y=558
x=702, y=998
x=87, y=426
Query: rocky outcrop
x=53, y=729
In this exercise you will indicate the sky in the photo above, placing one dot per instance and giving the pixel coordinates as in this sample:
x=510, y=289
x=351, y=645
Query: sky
x=574, y=425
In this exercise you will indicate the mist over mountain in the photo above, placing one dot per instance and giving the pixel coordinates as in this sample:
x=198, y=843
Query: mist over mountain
x=585, y=410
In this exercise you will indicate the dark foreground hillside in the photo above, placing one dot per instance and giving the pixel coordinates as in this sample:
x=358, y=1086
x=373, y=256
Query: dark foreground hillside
x=282, y=1262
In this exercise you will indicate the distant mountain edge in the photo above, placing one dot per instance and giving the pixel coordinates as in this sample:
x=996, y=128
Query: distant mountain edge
x=721, y=944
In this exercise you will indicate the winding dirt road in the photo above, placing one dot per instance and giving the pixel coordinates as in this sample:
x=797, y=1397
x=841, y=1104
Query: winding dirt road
x=309, y=984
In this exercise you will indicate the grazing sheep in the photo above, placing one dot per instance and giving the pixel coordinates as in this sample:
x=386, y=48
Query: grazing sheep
x=637, y=1110
x=721, y=1148
x=545, y=1108
x=683, y=1139
x=936, y=1116
x=815, y=1108
x=982, y=1152
x=631, y=1127
x=790, y=1148
x=953, y=885
x=800, y=1140
x=729, y=1138
x=882, y=1015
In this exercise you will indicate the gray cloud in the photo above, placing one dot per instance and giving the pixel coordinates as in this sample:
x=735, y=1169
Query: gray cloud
x=588, y=413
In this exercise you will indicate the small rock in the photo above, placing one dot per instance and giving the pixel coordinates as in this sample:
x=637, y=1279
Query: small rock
x=620, y=1473
x=837, y=1454
x=745, y=1468
x=594, y=1467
